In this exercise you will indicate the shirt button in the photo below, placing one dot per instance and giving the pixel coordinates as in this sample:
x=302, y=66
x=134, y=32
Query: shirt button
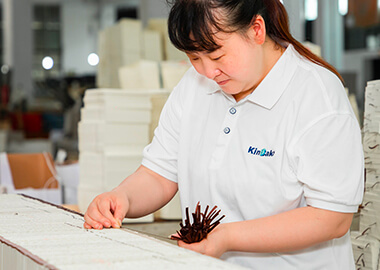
x=232, y=110
x=227, y=130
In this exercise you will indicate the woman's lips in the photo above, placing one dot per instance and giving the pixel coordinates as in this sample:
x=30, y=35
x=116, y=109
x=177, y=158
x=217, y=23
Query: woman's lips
x=223, y=82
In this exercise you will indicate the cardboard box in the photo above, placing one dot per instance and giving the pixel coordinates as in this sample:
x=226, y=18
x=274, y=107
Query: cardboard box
x=31, y=171
x=31, y=174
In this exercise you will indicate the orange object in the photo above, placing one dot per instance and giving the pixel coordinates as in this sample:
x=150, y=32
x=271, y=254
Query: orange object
x=32, y=170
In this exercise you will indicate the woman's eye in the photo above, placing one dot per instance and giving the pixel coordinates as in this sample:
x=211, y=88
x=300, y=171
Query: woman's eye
x=217, y=58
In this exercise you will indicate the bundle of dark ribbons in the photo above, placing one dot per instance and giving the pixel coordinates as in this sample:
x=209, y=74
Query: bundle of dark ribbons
x=202, y=225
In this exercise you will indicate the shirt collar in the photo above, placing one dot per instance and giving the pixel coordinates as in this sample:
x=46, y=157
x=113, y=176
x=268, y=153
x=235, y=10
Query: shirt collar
x=269, y=91
x=213, y=87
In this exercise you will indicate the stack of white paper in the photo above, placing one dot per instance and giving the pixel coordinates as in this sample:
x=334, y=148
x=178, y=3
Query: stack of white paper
x=143, y=74
x=171, y=52
x=370, y=218
x=371, y=122
x=119, y=45
x=153, y=45
x=366, y=241
x=36, y=235
x=126, y=43
x=371, y=148
x=115, y=127
x=172, y=72
x=366, y=251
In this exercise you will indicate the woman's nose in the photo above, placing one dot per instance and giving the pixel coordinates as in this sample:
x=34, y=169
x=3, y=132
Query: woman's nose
x=210, y=70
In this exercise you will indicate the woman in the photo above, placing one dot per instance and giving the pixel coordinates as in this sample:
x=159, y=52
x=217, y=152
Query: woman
x=260, y=127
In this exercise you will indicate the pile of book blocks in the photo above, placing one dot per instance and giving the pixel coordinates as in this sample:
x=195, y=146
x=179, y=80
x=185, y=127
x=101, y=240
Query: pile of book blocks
x=115, y=127
x=365, y=241
x=127, y=42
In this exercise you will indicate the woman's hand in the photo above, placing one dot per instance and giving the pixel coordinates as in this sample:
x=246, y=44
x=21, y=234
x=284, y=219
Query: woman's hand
x=106, y=210
x=141, y=193
x=214, y=245
x=289, y=231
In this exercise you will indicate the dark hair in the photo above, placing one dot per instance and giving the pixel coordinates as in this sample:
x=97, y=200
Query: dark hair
x=193, y=23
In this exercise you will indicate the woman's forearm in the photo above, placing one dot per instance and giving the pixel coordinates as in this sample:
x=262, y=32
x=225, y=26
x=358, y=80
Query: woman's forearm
x=146, y=191
x=289, y=231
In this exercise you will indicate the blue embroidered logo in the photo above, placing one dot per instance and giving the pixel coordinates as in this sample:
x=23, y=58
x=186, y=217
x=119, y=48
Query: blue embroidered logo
x=262, y=153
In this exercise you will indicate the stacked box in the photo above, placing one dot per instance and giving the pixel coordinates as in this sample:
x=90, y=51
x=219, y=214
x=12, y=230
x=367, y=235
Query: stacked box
x=115, y=126
x=119, y=45
x=152, y=45
x=143, y=74
x=170, y=52
x=172, y=72
x=365, y=242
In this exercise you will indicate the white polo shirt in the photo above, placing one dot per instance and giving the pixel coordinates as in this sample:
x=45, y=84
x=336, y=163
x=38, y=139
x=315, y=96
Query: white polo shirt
x=293, y=142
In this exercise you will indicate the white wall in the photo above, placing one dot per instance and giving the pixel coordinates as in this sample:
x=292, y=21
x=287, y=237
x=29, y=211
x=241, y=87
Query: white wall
x=81, y=22
x=296, y=15
x=152, y=9
x=79, y=36
x=18, y=46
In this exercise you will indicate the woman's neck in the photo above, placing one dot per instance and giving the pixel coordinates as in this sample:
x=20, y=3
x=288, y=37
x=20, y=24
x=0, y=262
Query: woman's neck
x=271, y=54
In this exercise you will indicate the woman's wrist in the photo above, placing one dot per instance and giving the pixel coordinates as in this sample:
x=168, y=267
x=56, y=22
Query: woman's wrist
x=223, y=231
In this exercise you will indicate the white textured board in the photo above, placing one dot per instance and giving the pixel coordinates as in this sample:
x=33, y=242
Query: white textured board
x=56, y=239
x=370, y=222
x=365, y=242
x=372, y=107
x=366, y=250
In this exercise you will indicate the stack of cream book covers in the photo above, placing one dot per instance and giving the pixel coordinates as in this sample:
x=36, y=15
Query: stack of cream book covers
x=35, y=235
x=366, y=241
x=115, y=126
x=128, y=42
x=136, y=58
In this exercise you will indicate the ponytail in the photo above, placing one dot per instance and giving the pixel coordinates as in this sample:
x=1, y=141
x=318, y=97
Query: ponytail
x=278, y=30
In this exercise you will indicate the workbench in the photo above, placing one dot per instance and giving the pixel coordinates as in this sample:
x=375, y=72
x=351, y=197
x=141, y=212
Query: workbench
x=38, y=235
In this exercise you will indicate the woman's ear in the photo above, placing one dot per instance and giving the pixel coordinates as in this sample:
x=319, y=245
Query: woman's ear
x=258, y=29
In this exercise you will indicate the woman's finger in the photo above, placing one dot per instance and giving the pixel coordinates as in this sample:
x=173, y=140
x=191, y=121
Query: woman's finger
x=91, y=223
x=107, y=213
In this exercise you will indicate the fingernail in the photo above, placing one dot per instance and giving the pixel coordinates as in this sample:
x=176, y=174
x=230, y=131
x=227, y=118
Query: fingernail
x=120, y=223
x=107, y=224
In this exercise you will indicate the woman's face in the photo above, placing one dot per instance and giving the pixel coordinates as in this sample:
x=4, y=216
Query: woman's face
x=237, y=67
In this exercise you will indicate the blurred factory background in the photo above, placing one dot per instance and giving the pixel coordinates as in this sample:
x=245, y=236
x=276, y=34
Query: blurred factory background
x=50, y=49
x=62, y=63
x=83, y=82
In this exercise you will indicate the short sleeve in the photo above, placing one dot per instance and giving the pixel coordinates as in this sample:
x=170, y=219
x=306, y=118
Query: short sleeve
x=328, y=160
x=161, y=154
